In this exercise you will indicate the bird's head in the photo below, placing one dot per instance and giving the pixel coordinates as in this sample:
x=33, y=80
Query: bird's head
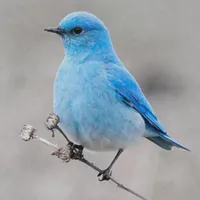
x=82, y=33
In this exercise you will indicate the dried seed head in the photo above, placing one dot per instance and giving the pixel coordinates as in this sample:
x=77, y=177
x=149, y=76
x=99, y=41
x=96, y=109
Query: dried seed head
x=52, y=121
x=63, y=153
x=27, y=132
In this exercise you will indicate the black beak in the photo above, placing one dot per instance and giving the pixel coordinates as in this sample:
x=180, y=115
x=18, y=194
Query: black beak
x=55, y=30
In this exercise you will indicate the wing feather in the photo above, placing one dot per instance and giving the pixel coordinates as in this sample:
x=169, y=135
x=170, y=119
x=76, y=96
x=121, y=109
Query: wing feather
x=131, y=94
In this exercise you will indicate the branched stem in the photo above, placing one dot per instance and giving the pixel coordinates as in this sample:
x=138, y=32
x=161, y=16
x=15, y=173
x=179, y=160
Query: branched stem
x=112, y=179
x=85, y=161
x=70, y=152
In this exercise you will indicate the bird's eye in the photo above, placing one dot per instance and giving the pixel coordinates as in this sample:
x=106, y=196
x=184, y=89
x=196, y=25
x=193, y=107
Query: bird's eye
x=77, y=30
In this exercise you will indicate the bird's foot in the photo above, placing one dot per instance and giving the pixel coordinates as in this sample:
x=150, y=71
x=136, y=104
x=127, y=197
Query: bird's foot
x=52, y=122
x=105, y=174
x=76, y=151
x=70, y=151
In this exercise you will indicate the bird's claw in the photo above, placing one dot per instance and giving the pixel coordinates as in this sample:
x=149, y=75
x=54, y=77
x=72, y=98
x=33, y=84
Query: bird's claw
x=76, y=151
x=70, y=151
x=105, y=175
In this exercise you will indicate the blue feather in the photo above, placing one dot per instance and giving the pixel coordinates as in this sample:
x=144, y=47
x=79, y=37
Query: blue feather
x=99, y=102
x=131, y=94
x=127, y=87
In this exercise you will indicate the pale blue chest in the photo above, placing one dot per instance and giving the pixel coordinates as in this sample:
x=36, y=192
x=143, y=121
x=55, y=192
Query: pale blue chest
x=81, y=97
x=89, y=109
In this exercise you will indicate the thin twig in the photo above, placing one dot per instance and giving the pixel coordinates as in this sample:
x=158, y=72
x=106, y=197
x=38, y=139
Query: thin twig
x=63, y=134
x=112, y=179
x=28, y=133
x=44, y=141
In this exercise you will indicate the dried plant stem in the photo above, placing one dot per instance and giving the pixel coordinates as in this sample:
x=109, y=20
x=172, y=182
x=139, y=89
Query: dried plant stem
x=69, y=152
x=83, y=160
x=44, y=141
x=112, y=179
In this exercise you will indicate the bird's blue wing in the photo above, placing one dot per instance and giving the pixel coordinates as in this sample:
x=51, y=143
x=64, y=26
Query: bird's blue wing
x=131, y=94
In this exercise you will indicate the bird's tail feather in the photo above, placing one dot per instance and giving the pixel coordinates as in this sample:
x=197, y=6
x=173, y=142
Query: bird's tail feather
x=166, y=142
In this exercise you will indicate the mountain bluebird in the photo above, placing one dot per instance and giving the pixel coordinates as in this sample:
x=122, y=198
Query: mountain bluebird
x=99, y=103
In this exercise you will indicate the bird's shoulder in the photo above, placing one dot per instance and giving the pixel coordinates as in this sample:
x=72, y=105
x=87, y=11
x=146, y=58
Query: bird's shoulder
x=125, y=85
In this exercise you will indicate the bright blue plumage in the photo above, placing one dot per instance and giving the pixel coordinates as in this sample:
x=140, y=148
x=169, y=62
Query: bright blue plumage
x=125, y=85
x=98, y=101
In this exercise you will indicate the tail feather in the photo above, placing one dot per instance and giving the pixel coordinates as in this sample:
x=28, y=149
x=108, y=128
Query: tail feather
x=166, y=142
x=160, y=142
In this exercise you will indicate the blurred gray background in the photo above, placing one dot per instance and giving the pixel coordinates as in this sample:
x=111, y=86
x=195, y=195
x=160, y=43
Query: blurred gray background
x=158, y=41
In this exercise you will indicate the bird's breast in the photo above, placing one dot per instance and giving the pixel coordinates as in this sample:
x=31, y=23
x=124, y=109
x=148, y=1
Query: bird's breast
x=81, y=98
x=91, y=112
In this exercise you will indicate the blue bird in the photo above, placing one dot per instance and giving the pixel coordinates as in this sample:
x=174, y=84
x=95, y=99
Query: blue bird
x=99, y=103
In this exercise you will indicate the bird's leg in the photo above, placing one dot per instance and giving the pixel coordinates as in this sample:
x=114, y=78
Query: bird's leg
x=107, y=172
